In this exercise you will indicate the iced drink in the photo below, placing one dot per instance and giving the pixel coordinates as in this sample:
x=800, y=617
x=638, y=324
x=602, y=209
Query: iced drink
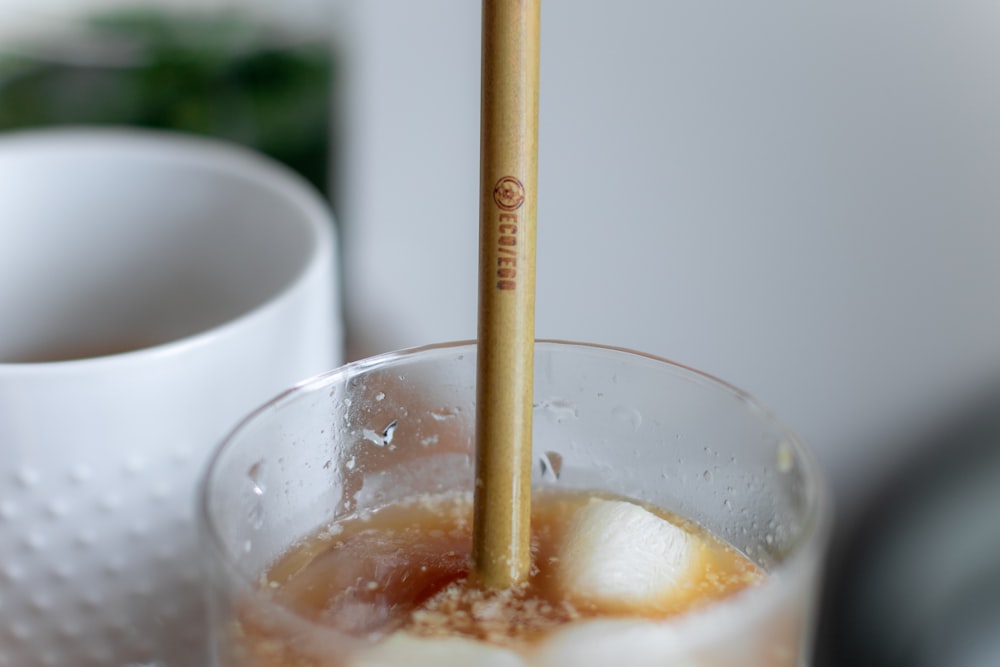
x=674, y=522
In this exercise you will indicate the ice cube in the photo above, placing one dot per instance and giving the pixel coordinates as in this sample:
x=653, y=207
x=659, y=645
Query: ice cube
x=613, y=641
x=405, y=650
x=618, y=555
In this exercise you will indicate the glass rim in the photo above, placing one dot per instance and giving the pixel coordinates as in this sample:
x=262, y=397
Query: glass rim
x=805, y=550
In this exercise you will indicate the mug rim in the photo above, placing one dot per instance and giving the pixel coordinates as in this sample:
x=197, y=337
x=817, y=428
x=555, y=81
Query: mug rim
x=156, y=146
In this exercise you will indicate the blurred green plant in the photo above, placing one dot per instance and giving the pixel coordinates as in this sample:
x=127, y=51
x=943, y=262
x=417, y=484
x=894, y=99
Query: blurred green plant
x=222, y=76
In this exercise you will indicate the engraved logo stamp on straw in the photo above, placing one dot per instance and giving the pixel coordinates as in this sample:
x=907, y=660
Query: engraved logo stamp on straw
x=508, y=193
x=509, y=196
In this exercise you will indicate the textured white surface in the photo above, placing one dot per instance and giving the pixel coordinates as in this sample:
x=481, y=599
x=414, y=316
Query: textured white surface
x=99, y=457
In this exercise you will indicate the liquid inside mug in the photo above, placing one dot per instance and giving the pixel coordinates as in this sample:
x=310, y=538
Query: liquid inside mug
x=348, y=444
x=153, y=288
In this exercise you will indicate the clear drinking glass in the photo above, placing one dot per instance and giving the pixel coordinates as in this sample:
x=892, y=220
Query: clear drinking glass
x=606, y=419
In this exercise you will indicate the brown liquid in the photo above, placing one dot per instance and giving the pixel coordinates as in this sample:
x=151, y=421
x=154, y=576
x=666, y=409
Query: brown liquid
x=406, y=567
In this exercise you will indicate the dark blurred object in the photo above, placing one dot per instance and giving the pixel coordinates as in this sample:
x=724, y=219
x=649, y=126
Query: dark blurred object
x=223, y=75
x=917, y=583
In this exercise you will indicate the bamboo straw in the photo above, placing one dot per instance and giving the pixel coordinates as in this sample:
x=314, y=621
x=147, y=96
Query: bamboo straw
x=505, y=365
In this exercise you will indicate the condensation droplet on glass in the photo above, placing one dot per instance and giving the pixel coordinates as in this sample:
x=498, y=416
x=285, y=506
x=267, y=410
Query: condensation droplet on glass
x=786, y=457
x=247, y=546
x=256, y=516
x=728, y=504
x=383, y=437
x=445, y=414
x=430, y=440
x=351, y=462
x=389, y=431
x=707, y=475
x=254, y=473
x=380, y=396
x=550, y=464
x=558, y=409
x=630, y=416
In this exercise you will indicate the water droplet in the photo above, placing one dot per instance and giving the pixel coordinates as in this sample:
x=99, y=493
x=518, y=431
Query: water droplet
x=256, y=516
x=786, y=457
x=383, y=438
x=558, y=408
x=630, y=416
x=550, y=464
x=707, y=475
x=380, y=396
x=254, y=473
x=445, y=414
x=728, y=504
x=430, y=440
x=247, y=546
x=389, y=431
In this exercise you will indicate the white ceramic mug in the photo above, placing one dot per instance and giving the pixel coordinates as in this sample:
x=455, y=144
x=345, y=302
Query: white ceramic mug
x=153, y=288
